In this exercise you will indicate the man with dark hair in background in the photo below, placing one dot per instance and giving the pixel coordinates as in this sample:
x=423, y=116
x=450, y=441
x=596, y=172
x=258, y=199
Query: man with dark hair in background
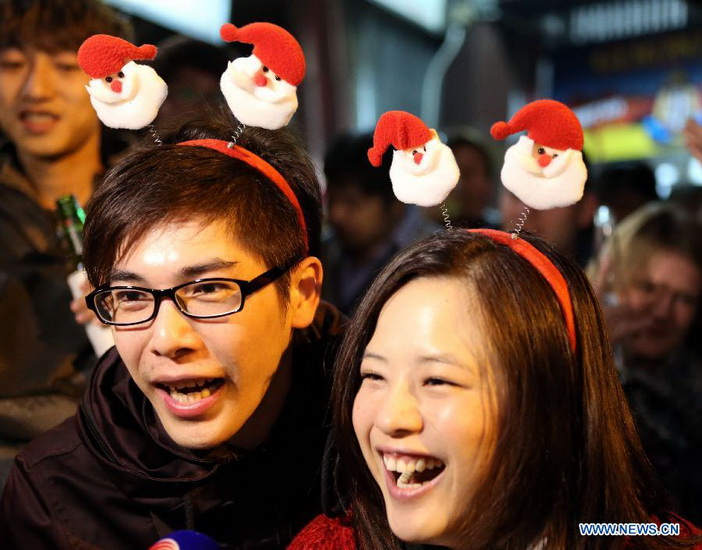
x=50, y=145
x=368, y=225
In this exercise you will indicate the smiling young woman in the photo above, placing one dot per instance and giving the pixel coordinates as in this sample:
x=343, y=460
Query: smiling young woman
x=471, y=414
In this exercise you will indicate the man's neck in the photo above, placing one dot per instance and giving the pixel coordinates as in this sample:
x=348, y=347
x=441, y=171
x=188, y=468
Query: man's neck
x=73, y=173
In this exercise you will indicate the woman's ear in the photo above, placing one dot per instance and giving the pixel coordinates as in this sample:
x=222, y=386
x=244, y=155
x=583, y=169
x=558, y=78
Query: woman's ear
x=305, y=291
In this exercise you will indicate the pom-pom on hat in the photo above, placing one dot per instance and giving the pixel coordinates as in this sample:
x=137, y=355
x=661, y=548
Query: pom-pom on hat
x=400, y=129
x=102, y=55
x=273, y=45
x=547, y=122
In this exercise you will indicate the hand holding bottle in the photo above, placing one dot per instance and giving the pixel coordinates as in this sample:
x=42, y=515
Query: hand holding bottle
x=72, y=218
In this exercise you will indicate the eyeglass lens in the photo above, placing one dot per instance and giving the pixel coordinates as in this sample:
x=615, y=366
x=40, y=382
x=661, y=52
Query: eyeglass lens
x=199, y=299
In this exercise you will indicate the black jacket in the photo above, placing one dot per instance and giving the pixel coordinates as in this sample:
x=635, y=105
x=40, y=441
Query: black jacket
x=111, y=477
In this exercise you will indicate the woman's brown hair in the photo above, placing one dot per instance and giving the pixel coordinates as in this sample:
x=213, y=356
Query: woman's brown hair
x=566, y=452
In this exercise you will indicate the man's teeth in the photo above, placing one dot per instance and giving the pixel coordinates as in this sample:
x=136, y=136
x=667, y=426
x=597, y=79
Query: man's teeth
x=38, y=117
x=208, y=386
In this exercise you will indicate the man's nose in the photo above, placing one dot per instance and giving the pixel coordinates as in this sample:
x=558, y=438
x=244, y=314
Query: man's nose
x=544, y=160
x=172, y=332
x=41, y=78
x=116, y=86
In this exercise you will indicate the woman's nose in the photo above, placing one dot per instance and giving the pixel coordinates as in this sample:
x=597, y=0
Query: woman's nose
x=400, y=412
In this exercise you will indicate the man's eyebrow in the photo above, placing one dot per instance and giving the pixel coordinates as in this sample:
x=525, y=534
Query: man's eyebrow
x=188, y=272
x=194, y=271
x=123, y=275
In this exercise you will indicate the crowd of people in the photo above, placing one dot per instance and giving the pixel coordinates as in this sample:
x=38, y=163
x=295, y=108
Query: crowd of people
x=313, y=363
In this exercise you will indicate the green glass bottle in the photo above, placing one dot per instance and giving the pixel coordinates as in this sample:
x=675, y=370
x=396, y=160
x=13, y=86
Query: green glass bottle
x=72, y=218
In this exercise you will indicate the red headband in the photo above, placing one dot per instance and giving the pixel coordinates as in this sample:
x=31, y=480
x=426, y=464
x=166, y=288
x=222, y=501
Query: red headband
x=545, y=267
x=235, y=151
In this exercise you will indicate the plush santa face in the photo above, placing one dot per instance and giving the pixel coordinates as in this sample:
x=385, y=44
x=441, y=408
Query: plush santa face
x=543, y=177
x=256, y=95
x=424, y=175
x=129, y=98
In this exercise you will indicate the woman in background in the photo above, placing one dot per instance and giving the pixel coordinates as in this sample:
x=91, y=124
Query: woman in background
x=650, y=280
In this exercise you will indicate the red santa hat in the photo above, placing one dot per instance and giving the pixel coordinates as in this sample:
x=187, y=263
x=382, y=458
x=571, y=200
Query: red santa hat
x=548, y=122
x=102, y=55
x=400, y=129
x=273, y=45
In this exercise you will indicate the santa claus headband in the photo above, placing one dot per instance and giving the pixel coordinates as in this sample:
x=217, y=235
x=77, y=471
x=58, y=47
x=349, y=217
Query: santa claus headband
x=547, y=122
x=235, y=151
x=400, y=129
x=546, y=268
x=102, y=55
x=274, y=46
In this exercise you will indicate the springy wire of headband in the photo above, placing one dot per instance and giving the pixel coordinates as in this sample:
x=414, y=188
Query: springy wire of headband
x=547, y=269
x=230, y=149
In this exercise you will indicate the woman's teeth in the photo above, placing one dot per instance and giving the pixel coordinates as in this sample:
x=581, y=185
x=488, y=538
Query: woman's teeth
x=190, y=392
x=409, y=469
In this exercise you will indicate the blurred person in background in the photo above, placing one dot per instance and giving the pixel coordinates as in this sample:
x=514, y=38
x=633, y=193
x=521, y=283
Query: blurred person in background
x=570, y=228
x=625, y=188
x=649, y=278
x=53, y=145
x=470, y=204
x=192, y=69
x=367, y=224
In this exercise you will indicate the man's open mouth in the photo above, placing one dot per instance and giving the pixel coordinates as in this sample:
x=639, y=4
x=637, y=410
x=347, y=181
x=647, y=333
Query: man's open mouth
x=192, y=390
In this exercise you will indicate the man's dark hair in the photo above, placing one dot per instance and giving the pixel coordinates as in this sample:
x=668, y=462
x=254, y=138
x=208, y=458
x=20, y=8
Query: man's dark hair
x=636, y=178
x=347, y=159
x=178, y=52
x=57, y=25
x=159, y=184
x=467, y=139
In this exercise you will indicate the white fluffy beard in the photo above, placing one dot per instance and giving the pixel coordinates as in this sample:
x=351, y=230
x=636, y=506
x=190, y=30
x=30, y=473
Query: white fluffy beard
x=561, y=183
x=143, y=93
x=269, y=107
x=429, y=182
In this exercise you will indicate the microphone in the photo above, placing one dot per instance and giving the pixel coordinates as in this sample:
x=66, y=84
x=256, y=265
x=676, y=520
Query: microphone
x=186, y=540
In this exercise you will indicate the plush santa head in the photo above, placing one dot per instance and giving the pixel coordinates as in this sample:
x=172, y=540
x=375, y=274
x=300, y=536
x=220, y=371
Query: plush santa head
x=423, y=170
x=123, y=93
x=261, y=90
x=545, y=168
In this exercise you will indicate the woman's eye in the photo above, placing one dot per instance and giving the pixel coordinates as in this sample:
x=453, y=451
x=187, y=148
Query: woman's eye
x=371, y=376
x=438, y=382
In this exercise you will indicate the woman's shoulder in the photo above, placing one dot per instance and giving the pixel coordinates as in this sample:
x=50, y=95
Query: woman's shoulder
x=325, y=533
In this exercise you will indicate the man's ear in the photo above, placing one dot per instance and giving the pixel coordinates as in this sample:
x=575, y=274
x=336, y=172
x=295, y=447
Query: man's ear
x=305, y=291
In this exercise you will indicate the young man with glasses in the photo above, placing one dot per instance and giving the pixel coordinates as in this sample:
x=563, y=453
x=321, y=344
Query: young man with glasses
x=210, y=413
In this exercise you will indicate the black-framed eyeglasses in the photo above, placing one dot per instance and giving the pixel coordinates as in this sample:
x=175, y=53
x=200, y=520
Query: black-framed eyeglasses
x=199, y=299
